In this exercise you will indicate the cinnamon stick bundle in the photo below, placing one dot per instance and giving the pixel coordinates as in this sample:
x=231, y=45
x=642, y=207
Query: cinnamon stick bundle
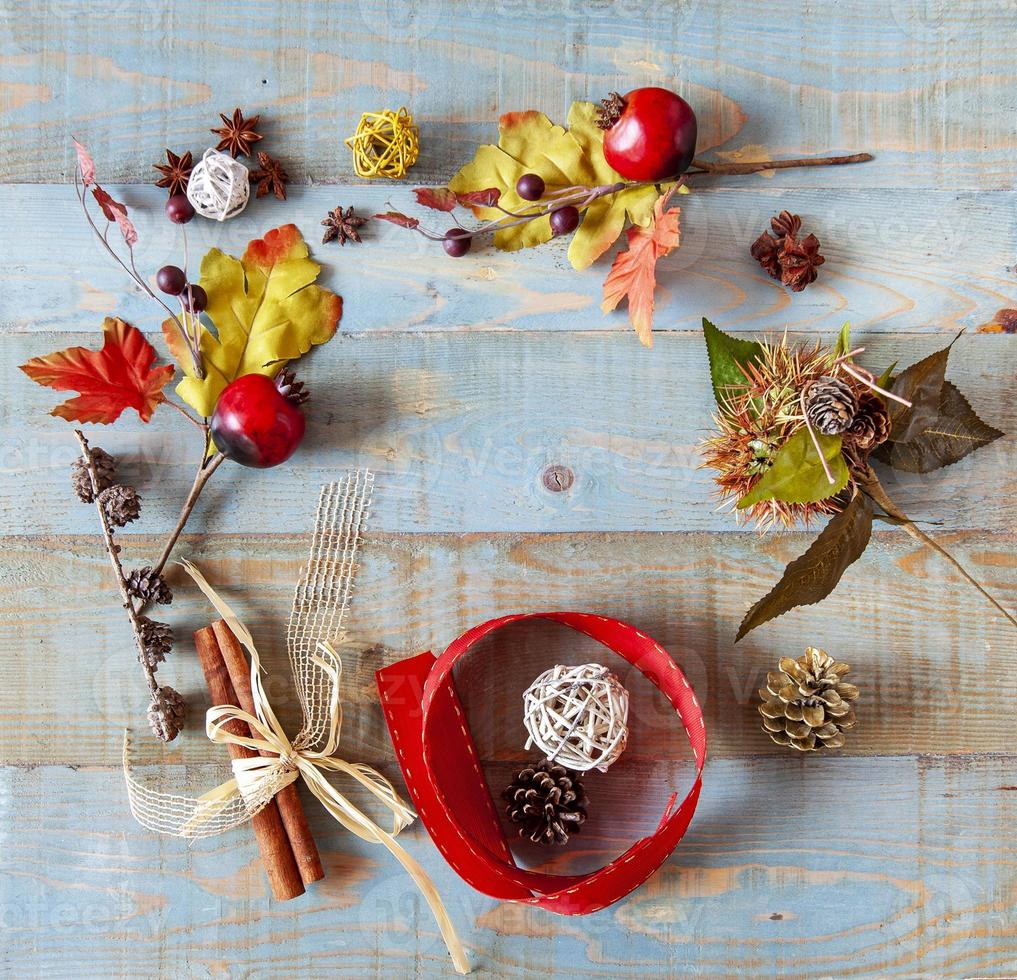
x=288, y=799
x=273, y=842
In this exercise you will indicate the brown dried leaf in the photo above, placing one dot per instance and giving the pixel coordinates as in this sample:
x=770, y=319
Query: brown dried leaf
x=811, y=577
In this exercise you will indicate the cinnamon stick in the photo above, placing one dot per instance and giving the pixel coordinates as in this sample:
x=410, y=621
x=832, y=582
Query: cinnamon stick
x=273, y=842
x=290, y=808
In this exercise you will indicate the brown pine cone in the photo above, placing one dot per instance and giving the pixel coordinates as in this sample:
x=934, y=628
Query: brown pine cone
x=105, y=472
x=145, y=585
x=548, y=802
x=830, y=405
x=799, y=261
x=166, y=713
x=157, y=639
x=871, y=425
x=806, y=704
x=121, y=504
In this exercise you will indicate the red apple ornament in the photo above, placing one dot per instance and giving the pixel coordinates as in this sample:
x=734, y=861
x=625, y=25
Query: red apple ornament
x=650, y=133
x=258, y=421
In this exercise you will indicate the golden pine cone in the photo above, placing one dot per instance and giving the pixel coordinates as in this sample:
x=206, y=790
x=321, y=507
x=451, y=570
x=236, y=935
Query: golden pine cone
x=807, y=704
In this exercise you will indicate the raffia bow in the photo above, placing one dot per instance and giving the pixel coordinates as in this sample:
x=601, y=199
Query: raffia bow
x=311, y=754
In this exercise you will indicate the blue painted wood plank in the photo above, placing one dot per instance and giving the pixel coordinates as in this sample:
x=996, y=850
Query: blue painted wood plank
x=787, y=870
x=911, y=629
x=952, y=264
x=926, y=86
x=461, y=428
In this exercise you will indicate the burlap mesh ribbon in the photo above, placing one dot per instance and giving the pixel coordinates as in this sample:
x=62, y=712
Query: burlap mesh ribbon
x=319, y=606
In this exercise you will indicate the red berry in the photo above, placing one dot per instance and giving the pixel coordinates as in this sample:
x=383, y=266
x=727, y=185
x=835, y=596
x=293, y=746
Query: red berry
x=654, y=136
x=530, y=187
x=254, y=424
x=171, y=280
x=564, y=220
x=457, y=242
x=195, y=298
x=179, y=210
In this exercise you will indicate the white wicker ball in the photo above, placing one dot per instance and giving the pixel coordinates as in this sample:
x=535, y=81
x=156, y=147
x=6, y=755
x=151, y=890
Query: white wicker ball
x=219, y=186
x=577, y=716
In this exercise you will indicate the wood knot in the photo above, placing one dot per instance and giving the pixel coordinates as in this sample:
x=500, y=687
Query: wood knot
x=557, y=478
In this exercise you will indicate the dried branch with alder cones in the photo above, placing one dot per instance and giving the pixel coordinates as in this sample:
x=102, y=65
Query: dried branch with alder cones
x=274, y=327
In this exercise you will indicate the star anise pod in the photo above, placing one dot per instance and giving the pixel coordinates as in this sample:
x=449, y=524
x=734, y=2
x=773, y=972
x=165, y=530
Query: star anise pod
x=175, y=172
x=238, y=133
x=799, y=261
x=342, y=226
x=270, y=177
x=765, y=250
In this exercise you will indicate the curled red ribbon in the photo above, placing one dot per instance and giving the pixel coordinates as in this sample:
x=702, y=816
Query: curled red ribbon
x=442, y=772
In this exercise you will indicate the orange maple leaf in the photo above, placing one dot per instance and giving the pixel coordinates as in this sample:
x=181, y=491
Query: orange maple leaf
x=117, y=377
x=633, y=272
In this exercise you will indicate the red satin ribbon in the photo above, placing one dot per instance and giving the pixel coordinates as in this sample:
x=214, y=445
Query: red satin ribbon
x=440, y=765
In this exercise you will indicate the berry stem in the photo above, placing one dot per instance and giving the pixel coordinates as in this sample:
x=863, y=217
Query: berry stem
x=132, y=271
x=113, y=550
x=187, y=415
x=731, y=169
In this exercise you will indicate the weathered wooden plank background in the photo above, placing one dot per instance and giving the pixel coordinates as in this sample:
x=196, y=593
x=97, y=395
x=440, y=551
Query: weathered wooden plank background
x=460, y=383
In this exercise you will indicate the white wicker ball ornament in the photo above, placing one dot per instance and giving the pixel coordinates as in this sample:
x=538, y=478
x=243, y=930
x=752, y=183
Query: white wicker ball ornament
x=219, y=186
x=577, y=716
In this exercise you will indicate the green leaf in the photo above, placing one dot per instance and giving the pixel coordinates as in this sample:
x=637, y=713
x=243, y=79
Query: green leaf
x=811, y=577
x=726, y=353
x=922, y=385
x=886, y=377
x=843, y=344
x=797, y=475
x=953, y=434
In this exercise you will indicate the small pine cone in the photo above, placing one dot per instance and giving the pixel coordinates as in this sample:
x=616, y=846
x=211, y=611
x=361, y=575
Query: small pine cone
x=871, y=425
x=105, y=473
x=121, y=504
x=830, y=405
x=291, y=389
x=799, y=261
x=548, y=802
x=766, y=251
x=145, y=585
x=157, y=639
x=807, y=704
x=166, y=713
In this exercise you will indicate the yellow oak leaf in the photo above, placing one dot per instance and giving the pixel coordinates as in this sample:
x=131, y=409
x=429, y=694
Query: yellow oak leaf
x=633, y=274
x=266, y=311
x=528, y=142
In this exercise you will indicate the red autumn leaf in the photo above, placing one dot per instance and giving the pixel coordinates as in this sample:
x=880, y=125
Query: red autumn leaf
x=633, y=272
x=85, y=163
x=403, y=220
x=117, y=377
x=486, y=198
x=437, y=198
x=115, y=211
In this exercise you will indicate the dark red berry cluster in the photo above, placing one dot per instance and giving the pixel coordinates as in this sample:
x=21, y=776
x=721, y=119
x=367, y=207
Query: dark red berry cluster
x=172, y=280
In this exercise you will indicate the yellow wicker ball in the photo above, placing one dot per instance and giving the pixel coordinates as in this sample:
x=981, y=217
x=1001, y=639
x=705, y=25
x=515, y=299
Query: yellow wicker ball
x=386, y=144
